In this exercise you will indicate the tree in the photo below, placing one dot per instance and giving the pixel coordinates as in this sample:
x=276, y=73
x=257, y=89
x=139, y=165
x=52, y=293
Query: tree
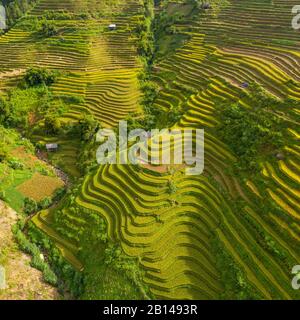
x=250, y=133
x=5, y=111
x=16, y=8
x=88, y=126
x=48, y=28
x=52, y=124
x=30, y=206
x=3, y=153
x=39, y=76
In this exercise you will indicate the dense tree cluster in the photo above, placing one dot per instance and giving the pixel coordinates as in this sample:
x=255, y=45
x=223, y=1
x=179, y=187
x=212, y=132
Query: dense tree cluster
x=39, y=76
x=16, y=8
x=257, y=132
x=48, y=28
x=145, y=45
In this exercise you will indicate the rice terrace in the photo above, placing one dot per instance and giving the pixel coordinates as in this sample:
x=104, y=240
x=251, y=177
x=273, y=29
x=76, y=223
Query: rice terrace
x=74, y=70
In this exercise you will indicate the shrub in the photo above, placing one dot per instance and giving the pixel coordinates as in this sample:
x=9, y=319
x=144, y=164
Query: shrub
x=172, y=188
x=32, y=249
x=88, y=127
x=14, y=164
x=45, y=203
x=40, y=146
x=63, y=270
x=74, y=99
x=235, y=282
x=48, y=28
x=249, y=133
x=151, y=91
x=5, y=112
x=32, y=99
x=16, y=8
x=2, y=195
x=59, y=193
x=24, y=244
x=52, y=124
x=30, y=206
x=3, y=154
x=49, y=275
x=58, y=15
x=39, y=76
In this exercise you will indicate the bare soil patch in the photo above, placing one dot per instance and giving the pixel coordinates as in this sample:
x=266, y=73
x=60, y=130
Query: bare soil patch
x=13, y=73
x=23, y=282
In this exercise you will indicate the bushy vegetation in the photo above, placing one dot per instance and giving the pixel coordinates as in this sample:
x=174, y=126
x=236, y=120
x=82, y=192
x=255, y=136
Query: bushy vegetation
x=107, y=264
x=167, y=35
x=37, y=261
x=21, y=107
x=252, y=133
x=32, y=103
x=67, y=278
x=52, y=124
x=145, y=45
x=48, y=28
x=149, y=120
x=39, y=76
x=15, y=108
x=15, y=9
x=30, y=206
x=165, y=23
x=235, y=283
x=88, y=127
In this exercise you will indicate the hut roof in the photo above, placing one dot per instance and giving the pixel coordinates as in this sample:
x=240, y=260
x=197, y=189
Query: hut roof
x=51, y=146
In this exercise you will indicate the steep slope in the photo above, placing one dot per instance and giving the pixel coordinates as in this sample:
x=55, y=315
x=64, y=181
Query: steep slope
x=17, y=264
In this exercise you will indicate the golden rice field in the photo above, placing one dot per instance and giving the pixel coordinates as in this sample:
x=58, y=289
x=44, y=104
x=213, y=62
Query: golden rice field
x=40, y=187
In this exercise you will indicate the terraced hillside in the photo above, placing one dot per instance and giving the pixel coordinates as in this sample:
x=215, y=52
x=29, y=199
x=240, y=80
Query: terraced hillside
x=232, y=232
x=96, y=64
x=98, y=68
x=215, y=62
x=252, y=217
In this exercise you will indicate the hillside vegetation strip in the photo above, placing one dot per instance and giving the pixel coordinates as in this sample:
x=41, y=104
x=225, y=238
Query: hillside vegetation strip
x=16, y=264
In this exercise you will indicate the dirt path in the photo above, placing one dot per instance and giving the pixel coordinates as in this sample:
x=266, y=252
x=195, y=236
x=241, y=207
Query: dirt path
x=23, y=282
x=61, y=174
x=12, y=73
